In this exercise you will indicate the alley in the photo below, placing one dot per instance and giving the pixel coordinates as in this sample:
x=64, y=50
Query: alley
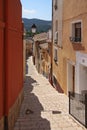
x=43, y=108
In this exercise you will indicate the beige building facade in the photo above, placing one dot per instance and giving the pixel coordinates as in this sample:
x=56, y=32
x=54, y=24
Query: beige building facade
x=70, y=45
x=39, y=39
x=42, y=52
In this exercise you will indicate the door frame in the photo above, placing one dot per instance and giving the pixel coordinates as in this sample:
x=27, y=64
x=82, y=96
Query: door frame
x=70, y=74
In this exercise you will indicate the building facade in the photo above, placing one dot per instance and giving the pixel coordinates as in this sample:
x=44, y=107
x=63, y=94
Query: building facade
x=29, y=47
x=57, y=18
x=11, y=62
x=38, y=39
x=70, y=51
x=42, y=52
x=44, y=59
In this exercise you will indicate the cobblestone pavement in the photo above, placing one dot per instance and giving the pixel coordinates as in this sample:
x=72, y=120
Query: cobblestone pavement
x=43, y=107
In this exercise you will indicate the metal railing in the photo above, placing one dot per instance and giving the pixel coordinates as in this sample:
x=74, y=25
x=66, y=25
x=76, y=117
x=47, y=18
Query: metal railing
x=75, y=39
x=78, y=107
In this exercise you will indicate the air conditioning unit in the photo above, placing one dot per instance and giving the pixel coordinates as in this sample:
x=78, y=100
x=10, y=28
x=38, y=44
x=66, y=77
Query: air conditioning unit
x=56, y=37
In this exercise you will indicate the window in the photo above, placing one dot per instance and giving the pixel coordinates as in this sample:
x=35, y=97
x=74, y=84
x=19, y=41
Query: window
x=56, y=37
x=55, y=55
x=76, y=32
x=55, y=4
x=56, y=32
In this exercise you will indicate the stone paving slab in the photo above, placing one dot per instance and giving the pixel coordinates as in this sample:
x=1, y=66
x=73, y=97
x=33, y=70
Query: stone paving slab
x=43, y=102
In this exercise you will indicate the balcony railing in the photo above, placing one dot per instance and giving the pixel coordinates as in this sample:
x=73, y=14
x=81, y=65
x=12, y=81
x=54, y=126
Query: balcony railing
x=75, y=39
x=78, y=107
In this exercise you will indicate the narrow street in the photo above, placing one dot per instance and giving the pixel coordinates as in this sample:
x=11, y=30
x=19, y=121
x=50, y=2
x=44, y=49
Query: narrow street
x=43, y=108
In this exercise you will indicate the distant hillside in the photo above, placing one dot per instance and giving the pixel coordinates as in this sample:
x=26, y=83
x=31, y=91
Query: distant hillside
x=42, y=25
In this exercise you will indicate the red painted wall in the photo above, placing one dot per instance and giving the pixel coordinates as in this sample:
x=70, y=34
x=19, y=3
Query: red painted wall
x=11, y=54
x=1, y=58
x=1, y=10
x=14, y=52
x=1, y=71
x=14, y=69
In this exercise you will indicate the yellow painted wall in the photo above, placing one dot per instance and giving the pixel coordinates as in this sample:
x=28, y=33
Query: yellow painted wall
x=73, y=10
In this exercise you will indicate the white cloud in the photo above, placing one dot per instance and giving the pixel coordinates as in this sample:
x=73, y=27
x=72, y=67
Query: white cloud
x=27, y=11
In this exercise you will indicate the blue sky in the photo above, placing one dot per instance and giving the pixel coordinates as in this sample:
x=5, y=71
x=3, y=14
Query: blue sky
x=41, y=9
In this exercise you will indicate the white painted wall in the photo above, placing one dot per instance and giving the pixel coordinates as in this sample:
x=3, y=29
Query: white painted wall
x=81, y=72
x=83, y=78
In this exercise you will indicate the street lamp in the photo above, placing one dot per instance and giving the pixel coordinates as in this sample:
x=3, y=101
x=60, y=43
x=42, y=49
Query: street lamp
x=33, y=28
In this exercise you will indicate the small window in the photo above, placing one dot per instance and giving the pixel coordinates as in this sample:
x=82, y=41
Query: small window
x=76, y=32
x=55, y=4
x=55, y=55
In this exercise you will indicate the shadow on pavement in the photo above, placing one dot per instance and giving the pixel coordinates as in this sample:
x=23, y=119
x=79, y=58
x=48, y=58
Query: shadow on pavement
x=30, y=114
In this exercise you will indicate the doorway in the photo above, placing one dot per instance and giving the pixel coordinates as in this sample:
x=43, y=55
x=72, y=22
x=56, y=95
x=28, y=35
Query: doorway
x=70, y=77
